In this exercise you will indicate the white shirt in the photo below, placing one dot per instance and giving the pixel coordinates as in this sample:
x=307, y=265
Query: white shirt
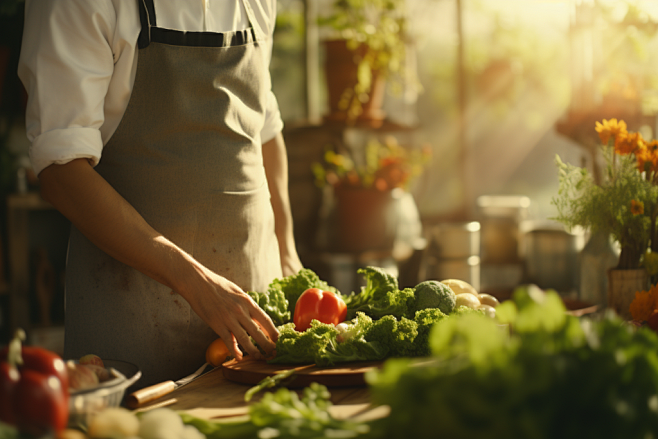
x=78, y=62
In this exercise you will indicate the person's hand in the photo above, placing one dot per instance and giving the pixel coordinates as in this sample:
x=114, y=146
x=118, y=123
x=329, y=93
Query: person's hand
x=234, y=316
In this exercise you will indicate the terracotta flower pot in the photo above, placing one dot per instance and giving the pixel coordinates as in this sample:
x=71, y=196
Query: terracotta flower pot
x=366, y=219
x=341, y=76
x=622, y=286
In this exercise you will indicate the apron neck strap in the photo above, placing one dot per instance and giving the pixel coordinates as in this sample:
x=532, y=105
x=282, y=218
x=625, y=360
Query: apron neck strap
x=148, y=20
x=260, y=35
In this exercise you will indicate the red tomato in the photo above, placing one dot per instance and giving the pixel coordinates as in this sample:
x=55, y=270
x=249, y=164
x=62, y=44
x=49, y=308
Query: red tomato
x=323, y=306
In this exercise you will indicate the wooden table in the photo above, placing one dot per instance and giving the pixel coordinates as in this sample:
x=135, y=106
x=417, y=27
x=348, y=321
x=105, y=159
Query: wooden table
x=212, y=396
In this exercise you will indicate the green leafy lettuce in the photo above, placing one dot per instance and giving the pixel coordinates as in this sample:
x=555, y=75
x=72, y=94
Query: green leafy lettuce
x=274, y=304
x=381, y=296
x=552, y=376
x=293, y=286
x=320, y=345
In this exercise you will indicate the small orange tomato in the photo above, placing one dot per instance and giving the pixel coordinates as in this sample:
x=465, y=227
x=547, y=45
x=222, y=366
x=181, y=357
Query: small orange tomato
x=315, y=304
x=217, y=353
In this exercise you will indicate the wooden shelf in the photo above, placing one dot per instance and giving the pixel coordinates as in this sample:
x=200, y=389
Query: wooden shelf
x=579, y=126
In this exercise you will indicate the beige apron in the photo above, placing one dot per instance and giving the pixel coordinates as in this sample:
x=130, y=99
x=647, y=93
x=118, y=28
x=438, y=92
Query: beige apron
x=187, y=155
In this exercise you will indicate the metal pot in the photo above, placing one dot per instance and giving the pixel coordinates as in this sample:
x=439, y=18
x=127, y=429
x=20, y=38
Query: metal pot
x=456, y=240
x=500, y=216
x=550, y=255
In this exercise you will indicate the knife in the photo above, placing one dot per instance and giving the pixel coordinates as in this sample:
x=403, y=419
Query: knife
x=148, y=394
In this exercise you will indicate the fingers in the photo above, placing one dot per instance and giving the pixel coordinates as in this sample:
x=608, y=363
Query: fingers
x=231, y=343
x=235, y=317
x=266, y=324
x=262, y=339
x=247, y=344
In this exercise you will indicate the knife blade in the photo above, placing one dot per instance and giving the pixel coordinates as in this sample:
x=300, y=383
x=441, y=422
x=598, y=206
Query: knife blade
x=151, y=393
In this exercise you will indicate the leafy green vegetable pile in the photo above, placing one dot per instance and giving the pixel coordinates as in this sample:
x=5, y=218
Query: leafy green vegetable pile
x=282, y=294
x=362, y=339
x=283, y=414
x=380, y=296
x=552, y=376
x=382, y=320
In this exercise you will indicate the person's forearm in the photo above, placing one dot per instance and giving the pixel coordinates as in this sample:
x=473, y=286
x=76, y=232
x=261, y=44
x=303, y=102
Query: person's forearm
x=276, y=168
x=113, y=225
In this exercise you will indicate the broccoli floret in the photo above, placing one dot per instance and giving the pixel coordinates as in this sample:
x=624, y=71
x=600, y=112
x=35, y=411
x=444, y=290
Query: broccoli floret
x=434, y=294
x=428, y=316
x=293, y=286
x=425, y=319
x=398, y=335
x=382, y=330
x=405, y=339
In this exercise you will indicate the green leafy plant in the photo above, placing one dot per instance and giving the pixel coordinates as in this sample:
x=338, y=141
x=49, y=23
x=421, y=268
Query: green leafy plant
x=624, y=202
x=375, y=30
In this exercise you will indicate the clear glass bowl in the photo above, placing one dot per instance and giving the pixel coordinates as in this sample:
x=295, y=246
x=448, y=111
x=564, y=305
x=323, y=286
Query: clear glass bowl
x=85, y=403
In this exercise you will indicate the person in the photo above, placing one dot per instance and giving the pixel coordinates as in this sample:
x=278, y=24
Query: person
x=155, y=131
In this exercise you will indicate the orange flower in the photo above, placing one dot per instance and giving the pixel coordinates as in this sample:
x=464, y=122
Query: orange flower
x=637, y=207
x=644, y=303
x=381, y=184
x=627, y=143
x=647, y=156
x=610, y=128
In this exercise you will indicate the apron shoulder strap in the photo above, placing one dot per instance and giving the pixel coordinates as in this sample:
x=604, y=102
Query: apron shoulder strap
x=258, y=31
x=147, y=19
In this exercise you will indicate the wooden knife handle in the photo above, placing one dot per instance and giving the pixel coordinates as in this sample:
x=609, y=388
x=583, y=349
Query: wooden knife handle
x=148, y=394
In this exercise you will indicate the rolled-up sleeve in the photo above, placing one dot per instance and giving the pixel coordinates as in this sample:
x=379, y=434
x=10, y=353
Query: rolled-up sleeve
x=66, y=65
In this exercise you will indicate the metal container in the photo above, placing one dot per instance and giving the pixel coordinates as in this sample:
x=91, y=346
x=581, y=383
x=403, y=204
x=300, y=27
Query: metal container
x=504, y=206
x=550, y=255
x=456, y=240
x=500, y=216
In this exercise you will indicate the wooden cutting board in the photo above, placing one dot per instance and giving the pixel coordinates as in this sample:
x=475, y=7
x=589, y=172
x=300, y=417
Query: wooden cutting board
x=251, y=371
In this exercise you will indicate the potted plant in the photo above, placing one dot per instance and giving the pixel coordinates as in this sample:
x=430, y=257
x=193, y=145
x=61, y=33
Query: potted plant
x=370, y=191
x=623, y=204
x=366, y=47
